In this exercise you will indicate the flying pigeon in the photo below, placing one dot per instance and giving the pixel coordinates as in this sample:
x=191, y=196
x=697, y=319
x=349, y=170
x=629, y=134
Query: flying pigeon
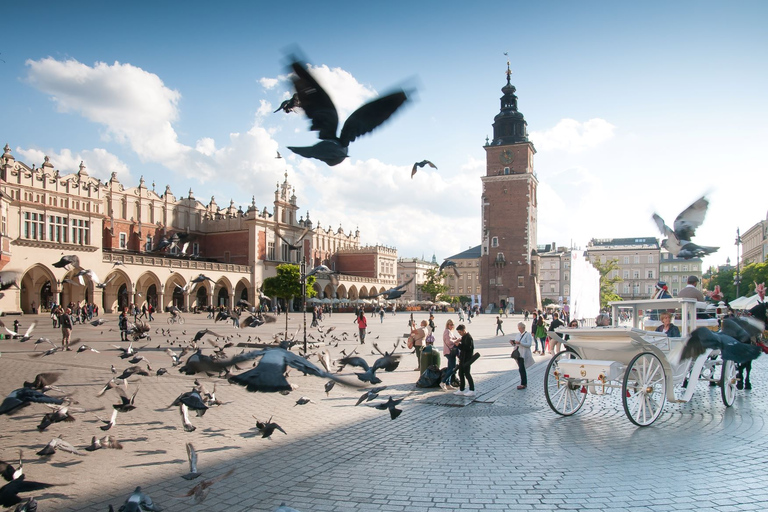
x=418, y=165
x=192, y=458
x=678, y=240
x=138, y=502
x=267, y=428
x=390, y=404
x=452, y=264
x=105, y=442
x=26, y=335
x=58, y=443
x=9, y=492
x=295, y=246
x=319, y=108
x=22, y=397
x=201, y=490
x=392, y=293
x=288, y=106
x=66, y=261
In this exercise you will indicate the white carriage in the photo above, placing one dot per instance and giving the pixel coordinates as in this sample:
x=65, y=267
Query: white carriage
x=635, y=361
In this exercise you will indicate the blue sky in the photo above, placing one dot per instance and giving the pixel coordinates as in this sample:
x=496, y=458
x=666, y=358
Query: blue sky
x=632, y=107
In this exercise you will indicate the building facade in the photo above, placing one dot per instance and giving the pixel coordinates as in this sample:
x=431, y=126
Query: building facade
x=416, y=268
x=468, y=282
x=754, y=243
x=638, y=262
x=676, y=271
x=554, y=272
x=508, y=260
x=117, y=233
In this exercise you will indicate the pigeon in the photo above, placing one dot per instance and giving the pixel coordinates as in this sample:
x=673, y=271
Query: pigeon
x=324, y=271
x=126, y=404
x=295, y=246
x=26, y=335
x=418, y=165
x=201, y=490
x=108, y=441
x=266, y=429
x=199, y=335
x=288, y=106
x=8, y=472
x=133, y=370
x=390, y=404
x=392, y=293
x=449, y=264
x=329, y=386
x=28, y=506
x=269, y=375
x=303, y=401
x=192, y=457
x=43, y=381
x=198, y=362
x=200, y=278
x=678, y=240
x=189, y=400
x=108, y=424
x=9, y=278
x=59, y=414
x=84, y=348
x=9, y=492
x=67, y=261
x=368, y=376
x=319, y=108
x=22, y=397
x=103, y=286
x=371, y=394
x=58, y=443
x=138, y=502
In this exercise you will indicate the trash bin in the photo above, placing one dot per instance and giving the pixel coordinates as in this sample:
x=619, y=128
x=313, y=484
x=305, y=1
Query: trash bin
x=429, y=356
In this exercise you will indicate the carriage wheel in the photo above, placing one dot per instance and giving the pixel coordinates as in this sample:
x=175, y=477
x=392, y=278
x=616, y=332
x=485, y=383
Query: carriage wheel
x=564, y=399
x=728, y=382
x=644, y=390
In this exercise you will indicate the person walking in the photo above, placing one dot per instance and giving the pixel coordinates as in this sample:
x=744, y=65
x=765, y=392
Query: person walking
x=122, y=324
x=450, y=350
x=541, y=333
x=431, y=323
x=150, y=310
x=556, y=323
x=466, y=353
x=362, y=325
x=381, y=315
x=499, y=321
x=523, y=358
x=65, y=321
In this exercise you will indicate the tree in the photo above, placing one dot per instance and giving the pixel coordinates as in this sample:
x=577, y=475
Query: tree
x=750, y=274
x=607, y=283
x=287, y=284
x=434, y=286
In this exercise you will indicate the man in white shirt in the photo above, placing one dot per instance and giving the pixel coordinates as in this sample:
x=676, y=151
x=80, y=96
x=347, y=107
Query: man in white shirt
x=691, y=291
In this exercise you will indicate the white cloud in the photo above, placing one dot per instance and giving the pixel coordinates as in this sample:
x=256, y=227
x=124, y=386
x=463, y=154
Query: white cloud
x=98, y=162
x=269, y=83
x=265, y=108
x=345, y=91
x=572, y=136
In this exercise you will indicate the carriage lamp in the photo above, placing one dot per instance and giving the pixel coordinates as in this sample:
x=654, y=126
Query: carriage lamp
x=557, y=378
x=602, y=379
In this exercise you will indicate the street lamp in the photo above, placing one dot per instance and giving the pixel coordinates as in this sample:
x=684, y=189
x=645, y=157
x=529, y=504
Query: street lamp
x=737, y=281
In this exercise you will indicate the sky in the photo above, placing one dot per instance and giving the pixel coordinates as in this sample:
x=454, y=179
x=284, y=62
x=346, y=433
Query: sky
x=633, y=108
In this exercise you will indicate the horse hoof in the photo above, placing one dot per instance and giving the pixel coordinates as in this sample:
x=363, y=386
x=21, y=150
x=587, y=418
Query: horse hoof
x=748, y=385
x=740, y=385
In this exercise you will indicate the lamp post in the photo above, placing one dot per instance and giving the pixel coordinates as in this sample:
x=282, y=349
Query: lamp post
x=304, y=297
x=737, y=280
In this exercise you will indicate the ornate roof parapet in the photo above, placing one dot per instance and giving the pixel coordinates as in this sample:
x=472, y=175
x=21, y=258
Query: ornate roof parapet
x=81, y=173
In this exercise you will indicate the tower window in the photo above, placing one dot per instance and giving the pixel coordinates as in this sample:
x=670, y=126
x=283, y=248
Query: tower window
x=506, y=170
x=495, y=241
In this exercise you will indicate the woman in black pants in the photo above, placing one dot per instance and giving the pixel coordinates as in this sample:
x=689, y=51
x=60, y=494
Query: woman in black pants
x=466, y=352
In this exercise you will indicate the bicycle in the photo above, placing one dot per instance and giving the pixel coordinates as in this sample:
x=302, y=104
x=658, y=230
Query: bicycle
x=176, y=319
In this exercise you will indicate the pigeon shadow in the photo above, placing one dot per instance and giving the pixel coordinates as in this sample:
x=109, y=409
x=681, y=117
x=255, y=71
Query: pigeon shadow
x=142, y=453
x=66, y=464
x=219, y=449
x=148, y=464
x=166, y=427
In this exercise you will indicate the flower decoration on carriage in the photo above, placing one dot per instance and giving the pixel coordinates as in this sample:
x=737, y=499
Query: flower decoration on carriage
x=716, y=295
x=760, y=289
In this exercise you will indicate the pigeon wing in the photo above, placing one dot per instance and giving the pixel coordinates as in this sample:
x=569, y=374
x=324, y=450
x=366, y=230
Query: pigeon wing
x=371, y=115
x=690, y=219
x=315, y=102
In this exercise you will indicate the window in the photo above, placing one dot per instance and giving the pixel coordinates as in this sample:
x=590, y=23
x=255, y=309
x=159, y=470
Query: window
x=495, y=241
x=650, y=258
x=684, y=279
x=565, y=277
x=650, y=274
x=637, y=258
x=520, y=281
x=685, y=268
x=3, y=227
x=195, y=249
x=626, y=260
x=636, y=289
x=123, y=241
x=148, y=245
x=34, y=226
x=636, y=274
x=552, y=288
x=665, y=268
x=271, y=250
x=57, y=228
x=694, y=267
x=626, y=274
x=285, y=252
x=674, y=279
x=674, y=268
x=626, y=289
x=648, y=289
x=80, y=232
x=674, y=291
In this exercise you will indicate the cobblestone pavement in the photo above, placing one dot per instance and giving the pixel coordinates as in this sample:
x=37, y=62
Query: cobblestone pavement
x=504, y=450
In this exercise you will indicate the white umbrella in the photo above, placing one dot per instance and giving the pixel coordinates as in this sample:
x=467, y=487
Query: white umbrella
x=345, y=300
x=313, y=300
x=327, y=301
x=337, y=301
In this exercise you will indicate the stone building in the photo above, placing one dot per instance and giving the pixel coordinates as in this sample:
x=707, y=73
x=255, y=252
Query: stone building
x=468, y=282
x=508, y=261
x=119, y=233
x=554, y=272
x=638, y=262
x=416, y=268
x=675, y=271
x=754, y=243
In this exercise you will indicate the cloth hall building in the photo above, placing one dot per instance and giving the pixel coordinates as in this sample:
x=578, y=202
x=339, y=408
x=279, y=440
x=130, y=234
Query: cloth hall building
x=115, y=231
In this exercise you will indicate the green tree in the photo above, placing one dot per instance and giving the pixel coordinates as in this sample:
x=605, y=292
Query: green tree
x=287, y=284
x=607, y=283
x=434, y=285
x=750, y=274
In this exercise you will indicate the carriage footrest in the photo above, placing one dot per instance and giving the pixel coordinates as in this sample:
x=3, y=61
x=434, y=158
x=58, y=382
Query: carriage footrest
x=591, y=369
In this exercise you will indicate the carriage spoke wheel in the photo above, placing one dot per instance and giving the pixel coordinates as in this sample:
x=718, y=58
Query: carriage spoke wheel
x=644, y=390
x=562, y=398
x=728, y=382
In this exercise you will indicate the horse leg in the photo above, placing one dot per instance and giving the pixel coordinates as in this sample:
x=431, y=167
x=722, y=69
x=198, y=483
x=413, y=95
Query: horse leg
x=740, y=376
x=748, y=367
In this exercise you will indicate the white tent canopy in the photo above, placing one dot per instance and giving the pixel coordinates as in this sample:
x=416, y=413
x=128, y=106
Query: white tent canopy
x=745, y=302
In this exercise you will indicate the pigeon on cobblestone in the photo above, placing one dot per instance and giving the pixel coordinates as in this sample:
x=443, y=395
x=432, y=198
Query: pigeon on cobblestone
x=186, y=401
x=58, y=443
x=192, y=458
x=201, y=490
x=22, y=397
x=60, y=413
x=138, y=502
x=267, y=428
x=303, y=401
x=28, y=506
x=43, y=381
x=105, y=442
x=10, y=473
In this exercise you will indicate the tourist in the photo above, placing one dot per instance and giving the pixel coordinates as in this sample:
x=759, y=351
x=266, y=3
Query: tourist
x=541, y=334
x=499, y=321
x=466, y=353
x=362, y=325
x=381, y=314
x=552, y=326
x=667, y=327
x=65, y=321
x=416, y=341
x=450, y=350
x=523, y=357
x=122, y=324
x=690, y=291
x=431, y=323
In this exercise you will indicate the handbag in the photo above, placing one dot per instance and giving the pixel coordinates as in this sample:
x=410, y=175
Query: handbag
x=410, y=342
x=515, y=353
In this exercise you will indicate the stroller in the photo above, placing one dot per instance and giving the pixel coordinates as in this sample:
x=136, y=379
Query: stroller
x=139, y=331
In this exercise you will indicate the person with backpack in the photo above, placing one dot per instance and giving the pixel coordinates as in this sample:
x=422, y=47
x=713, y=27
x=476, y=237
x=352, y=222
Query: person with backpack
x=362, y=325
